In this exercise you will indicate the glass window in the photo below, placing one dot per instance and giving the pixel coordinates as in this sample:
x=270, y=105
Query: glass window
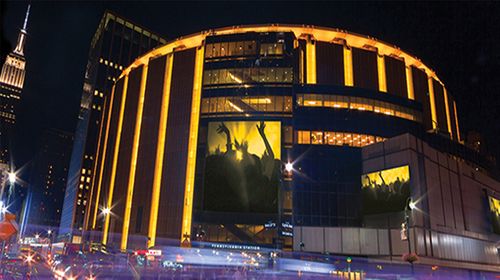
x=304, y=137
x=205, y=105
x=317, y=137
x=357, y=103
x=220, y=104
x=250, y=48
x=288, y=104
x=216, y=50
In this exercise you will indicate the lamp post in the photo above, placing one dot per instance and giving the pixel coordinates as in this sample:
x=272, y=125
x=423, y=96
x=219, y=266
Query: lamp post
x=410, y=205
x=49, y=234
x=12, y=182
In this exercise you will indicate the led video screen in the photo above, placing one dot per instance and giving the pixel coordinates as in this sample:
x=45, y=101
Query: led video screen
x=495, y=214
x=242, y=167
x=385, y=191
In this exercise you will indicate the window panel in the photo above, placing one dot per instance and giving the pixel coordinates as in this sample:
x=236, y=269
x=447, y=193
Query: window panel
x=357, y=103
x=246, y=104
x=336, y=138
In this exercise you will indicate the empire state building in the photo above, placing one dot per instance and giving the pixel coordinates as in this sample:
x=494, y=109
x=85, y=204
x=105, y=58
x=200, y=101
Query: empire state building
x=11, y=86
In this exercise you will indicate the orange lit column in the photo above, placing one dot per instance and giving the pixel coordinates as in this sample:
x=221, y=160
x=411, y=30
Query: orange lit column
x=192, y=146
x=114, y=163
x=348, y=73
x=160, y=149
x=382, y=80
x=409, y=83
x=310, y=61
x=107, y=106
x=133, y=160
x=432, y=100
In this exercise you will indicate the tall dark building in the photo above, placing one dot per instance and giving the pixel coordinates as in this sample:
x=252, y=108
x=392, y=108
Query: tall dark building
x=47, y=181
x=116, y=43
x=11, y=86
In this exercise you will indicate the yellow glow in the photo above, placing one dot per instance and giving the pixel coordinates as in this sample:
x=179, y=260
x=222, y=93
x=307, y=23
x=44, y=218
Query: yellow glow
x=301, y=66
x=96, y=207
x=115, y=162
x=448, y=119
x=382, y=80
x=409, y=83
x=348, y=73
x=433, y=103
x=456, y=121
x=234, y=106
x=133, y=160
x=155, y=196
x=236, y=79
x=311, y=62
x=246, y=131
x=390, y=175
x=192, y=145
x=256, y=100
x=495, y=205
x=239, y=155
x=322, y=34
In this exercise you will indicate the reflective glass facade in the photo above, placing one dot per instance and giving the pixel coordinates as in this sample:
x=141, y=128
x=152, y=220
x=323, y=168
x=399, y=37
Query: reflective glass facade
x=116, y=43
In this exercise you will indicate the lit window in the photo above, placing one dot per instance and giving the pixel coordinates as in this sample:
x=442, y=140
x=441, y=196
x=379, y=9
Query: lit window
x=317, y=137
x=337, y=138
x=357, y=103
x=304, y=137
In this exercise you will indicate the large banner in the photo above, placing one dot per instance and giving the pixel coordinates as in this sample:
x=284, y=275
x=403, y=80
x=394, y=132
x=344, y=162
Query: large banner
x=495, y=214
x=385, y=191
x=242, y=168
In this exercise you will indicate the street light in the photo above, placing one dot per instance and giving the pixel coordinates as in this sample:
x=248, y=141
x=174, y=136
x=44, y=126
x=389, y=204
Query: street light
x=410, y=205
x=12, y=177
x=3, y=208
x=289, y=167
x=106, y=211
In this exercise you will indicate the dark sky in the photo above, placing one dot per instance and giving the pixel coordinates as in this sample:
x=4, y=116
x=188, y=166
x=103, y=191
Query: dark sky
x=460, y=41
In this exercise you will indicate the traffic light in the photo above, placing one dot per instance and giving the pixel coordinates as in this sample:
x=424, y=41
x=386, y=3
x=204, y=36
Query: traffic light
x=349, y=259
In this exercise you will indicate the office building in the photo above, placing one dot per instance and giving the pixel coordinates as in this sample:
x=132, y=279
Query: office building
x=47, y=182
x=116, y=43
x=12, y=78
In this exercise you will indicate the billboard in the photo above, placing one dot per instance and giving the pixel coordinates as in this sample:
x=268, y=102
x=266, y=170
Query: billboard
x=495, y=213
x=385, y=191
x=242, y=167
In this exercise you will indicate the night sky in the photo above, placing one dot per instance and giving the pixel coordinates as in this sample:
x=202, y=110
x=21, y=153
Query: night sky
x=460, y=41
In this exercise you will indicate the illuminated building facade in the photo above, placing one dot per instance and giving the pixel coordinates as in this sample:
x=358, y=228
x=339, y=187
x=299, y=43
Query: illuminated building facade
x=11, y=85
x=47, y=182
x=116, y=43
x=197, y=130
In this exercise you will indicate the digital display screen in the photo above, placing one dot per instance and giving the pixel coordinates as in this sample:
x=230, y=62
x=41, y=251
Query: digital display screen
x=242, y=167
x=495, y=214
x=385, y=191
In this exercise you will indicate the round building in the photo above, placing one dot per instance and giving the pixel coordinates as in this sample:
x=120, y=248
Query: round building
x=274, y=135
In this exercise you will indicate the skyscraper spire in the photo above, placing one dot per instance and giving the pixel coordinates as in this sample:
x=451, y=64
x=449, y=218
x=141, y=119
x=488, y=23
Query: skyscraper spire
x=21, y=40
x=25, y=25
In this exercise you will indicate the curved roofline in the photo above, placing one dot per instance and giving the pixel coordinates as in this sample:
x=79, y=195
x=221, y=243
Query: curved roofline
x=318, y=33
